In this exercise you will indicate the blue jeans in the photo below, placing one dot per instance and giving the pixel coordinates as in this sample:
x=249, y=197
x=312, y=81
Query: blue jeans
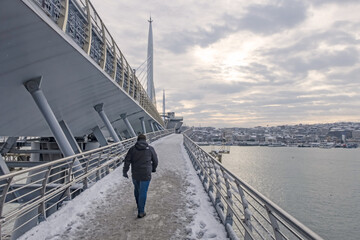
x=140, y=192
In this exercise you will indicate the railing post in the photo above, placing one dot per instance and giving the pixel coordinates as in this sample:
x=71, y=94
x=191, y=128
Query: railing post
x=133, y=84
x=2, y=202
x=107, y=170
x=68, y=180
x=121, y=83
x=103, y=60
x=87, y=45
x=247, y=212
x=274, y=223
x=229, y=212
x=218, y=185
x=86, y=179
x=62, y=21
x=98, y=177
x=115, y=59
x=42, y=208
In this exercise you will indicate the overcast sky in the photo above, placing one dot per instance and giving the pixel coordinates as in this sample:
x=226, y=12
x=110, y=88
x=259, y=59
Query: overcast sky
x=228, y=63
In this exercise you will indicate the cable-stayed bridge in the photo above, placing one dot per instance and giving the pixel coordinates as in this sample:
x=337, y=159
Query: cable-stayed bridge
x=72, y=106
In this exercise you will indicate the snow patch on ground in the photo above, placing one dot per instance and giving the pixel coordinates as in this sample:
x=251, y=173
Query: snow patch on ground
x=72, y=214
x=206, y=224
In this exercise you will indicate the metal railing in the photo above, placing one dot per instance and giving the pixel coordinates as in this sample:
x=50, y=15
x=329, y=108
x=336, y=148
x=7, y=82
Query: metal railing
x=79, y=20
x=29, y=196
x=245, y=213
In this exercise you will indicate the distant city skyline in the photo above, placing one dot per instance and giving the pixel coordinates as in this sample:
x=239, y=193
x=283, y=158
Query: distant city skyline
x=332, y=124
x=241, y=63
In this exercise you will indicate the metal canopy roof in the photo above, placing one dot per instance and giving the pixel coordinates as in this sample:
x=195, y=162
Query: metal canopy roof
x=32, y=45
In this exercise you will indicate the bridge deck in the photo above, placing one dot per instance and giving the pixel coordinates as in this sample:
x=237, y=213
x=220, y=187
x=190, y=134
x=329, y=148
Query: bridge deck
x=177, y=206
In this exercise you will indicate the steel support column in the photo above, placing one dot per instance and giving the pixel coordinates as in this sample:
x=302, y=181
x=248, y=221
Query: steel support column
x=128, y=125
x=143, y=125
x=99, y=136
x=155, y=126
x=35, y=157
x=3, y=167
x=10, y=142
x=118, y=133
x=99, y=109
x=70, y=137
x=151, y=125
x=33, y=86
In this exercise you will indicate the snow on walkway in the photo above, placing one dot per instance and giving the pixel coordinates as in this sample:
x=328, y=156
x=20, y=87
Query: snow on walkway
x=177, y=206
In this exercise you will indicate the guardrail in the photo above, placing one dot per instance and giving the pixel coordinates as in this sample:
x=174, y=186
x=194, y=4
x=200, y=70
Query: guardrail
x=79, y=20
x=245, y=213
x=29, y=196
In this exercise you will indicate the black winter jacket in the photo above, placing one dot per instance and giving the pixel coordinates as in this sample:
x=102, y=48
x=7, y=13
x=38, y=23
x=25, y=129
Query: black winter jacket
x=143, y=161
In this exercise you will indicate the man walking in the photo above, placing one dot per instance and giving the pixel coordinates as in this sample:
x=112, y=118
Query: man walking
x=143, y=161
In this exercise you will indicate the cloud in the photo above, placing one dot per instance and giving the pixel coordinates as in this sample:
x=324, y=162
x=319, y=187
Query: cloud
x=246, y=63
x=269, y=19
x=322, y=60
x=349, y=77
x=341, y=2
x=261, y=19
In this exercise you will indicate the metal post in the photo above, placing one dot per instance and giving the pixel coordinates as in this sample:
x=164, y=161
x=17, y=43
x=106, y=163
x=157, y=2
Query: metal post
x=105, y=119
x=229, y=212
x=274, y=223
x=247, y=212
x=143, y=125
x=70, y=136
x=3, y=167
x=155, y=127
x=118, y=133
x=99, y=136
x=151, y=125
x=35, y=157
x=128, y=125
x=10, y=142
x=33, y=86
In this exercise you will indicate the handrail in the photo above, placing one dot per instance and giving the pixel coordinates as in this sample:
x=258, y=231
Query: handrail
x=43, y=188
x=80, y=24
x=260, y=217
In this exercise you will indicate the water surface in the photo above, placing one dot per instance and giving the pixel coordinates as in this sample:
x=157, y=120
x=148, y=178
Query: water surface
x=319, y=187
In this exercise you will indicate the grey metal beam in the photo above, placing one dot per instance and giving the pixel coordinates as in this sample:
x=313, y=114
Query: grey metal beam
x=25, y=164
x=70, y=136
x=36, y=151
x=99, y=109
x=33, y=86
x=10, y=141
x=128, y=125
x=143, y=125
x=3, y=167
x=118, y=133
x=35, y=156
x=99, y=136
x=155, y=126
x=151, y=125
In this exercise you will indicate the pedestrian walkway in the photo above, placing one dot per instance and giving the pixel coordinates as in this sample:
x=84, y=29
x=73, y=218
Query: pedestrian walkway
x=177, y=206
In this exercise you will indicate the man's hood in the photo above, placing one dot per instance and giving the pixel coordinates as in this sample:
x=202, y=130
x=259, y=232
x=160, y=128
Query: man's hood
x=142, y=145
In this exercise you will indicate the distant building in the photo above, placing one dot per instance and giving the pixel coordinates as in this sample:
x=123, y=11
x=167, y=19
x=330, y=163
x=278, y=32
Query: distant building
x=356, y=134
x=338, y=133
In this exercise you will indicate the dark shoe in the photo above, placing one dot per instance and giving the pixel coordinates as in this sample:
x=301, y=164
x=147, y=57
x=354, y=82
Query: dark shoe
x=141, y=215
